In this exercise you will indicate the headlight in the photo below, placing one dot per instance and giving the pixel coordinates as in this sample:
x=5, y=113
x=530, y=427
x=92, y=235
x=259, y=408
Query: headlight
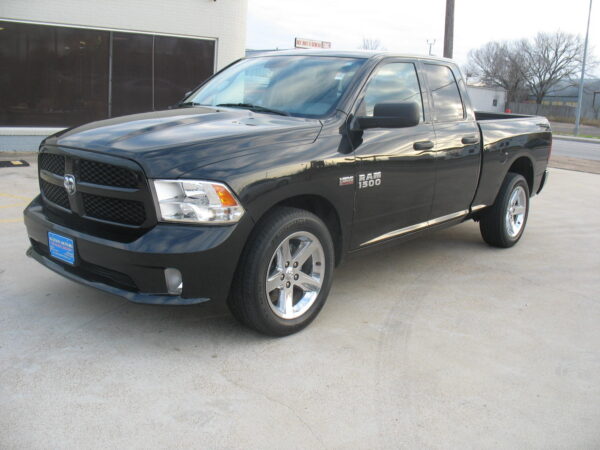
x=196, y=202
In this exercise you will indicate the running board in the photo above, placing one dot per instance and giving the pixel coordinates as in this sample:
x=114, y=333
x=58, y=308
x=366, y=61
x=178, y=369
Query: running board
x=420, y=226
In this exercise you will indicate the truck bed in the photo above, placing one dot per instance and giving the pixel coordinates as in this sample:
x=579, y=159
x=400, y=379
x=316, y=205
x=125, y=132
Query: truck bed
x=509, y=139
x=490, y=115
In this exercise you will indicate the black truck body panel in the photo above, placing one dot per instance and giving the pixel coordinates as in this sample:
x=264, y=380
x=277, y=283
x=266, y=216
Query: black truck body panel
x=505, y=140
x=267, y=160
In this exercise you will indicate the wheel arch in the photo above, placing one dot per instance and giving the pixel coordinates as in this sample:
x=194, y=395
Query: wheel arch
x=322, y=208
x=524, y=166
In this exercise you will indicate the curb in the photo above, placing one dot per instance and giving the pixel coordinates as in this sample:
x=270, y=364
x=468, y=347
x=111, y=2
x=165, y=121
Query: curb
x=15, y=153
x=30, y=157
x=576, y=139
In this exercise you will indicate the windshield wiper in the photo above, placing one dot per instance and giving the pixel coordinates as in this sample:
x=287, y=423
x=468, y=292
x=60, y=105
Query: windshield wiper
x=184, y=104
x=252, y=107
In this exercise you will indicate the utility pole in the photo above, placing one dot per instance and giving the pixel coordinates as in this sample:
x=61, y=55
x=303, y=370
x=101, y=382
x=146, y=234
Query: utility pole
x=431, y=44
x=449, y=29
x=580, y=96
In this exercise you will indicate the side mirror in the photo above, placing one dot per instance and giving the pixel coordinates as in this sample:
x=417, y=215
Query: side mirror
x=392, y=115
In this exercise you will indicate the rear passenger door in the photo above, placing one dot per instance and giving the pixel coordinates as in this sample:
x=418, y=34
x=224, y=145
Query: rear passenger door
x=457, y=151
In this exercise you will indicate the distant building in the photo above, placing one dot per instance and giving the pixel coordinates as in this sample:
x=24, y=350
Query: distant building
x=561, y=100
x=565, y=93
x=487, y=98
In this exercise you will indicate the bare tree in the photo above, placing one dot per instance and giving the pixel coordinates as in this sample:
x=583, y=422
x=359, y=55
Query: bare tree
x=533, y=66
x=499, y=64
x=371, y=44
x=548, y=59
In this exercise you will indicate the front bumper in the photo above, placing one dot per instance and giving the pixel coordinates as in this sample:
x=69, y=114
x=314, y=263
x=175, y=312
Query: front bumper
x=206, y=256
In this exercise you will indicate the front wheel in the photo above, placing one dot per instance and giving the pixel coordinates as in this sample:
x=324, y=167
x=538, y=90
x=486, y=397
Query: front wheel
x=285, y=273
x=502, y=225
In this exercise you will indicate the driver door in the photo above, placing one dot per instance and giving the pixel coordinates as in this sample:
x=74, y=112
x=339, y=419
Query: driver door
x=395, y=166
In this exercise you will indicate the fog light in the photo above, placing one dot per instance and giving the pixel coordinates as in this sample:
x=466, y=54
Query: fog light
x=174, y=281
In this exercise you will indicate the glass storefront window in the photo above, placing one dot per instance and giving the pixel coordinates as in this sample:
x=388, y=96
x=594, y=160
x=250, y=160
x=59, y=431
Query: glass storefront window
x=59, y=76
x=131, y=74
x=52, y=76
x=179, y=66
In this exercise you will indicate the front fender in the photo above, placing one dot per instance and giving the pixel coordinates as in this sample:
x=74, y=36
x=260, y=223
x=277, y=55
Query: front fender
x=280, y=172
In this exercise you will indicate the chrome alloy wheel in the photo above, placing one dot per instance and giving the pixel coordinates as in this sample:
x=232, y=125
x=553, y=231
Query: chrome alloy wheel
x=295, y=275
x=515, y=213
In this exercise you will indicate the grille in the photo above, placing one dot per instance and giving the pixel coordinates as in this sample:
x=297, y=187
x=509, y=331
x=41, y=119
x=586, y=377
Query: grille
x=111, y=190
x=52, y=163
x=106, y=174
x=129, y=212
x=55, y=194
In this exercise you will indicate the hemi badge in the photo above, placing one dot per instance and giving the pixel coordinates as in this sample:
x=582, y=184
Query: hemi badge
x=346, y=181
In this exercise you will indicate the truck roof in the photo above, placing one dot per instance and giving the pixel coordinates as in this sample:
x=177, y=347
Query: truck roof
x=363, y=54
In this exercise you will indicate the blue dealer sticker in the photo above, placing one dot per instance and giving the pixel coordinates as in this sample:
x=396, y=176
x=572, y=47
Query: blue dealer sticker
x=61, y=247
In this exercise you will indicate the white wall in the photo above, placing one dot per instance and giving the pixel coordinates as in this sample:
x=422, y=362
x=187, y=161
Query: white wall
x=482, y=98
x=224, y=20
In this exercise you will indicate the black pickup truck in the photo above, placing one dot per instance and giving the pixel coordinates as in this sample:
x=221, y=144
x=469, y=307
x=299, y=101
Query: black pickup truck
x=270, y=173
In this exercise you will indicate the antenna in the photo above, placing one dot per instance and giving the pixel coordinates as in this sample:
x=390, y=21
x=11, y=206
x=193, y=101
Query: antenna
x=431, y=44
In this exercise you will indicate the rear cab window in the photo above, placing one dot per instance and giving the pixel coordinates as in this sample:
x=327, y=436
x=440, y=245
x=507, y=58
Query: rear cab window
x=447, y=102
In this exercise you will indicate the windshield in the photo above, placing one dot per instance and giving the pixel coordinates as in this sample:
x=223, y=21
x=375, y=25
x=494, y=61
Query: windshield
x=305, y=86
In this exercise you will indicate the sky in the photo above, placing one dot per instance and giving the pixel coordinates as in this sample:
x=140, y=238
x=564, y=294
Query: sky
x=405, y=26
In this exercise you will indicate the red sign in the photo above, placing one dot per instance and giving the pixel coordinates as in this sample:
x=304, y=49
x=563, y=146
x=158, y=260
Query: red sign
x=310, y=43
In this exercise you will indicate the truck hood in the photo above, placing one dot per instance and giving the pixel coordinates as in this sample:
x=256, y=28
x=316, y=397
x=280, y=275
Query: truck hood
x=169, y=143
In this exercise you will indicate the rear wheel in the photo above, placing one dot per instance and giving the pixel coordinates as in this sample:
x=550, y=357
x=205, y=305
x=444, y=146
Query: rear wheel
x=285, y=273
x=502, y=225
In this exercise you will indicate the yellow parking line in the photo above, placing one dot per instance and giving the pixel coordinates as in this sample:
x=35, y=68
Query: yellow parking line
x=12, y=205
x=20, y=197
x=20, y=219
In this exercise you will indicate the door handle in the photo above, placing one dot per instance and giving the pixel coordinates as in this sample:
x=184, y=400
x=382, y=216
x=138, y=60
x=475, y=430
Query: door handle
x=470, y=140
x=423, y=145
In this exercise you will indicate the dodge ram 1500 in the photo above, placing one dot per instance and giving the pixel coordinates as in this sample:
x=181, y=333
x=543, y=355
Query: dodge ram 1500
x=265, y=177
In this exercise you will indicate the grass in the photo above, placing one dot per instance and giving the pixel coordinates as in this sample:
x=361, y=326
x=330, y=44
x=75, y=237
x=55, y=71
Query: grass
x=591, y=122
x=579, y=135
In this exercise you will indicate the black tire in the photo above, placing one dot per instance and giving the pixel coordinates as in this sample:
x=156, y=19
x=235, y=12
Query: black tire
x=493, y=224
x=249, y=301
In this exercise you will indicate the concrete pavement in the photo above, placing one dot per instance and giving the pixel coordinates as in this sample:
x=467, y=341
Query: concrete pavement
x=574, y=149
x=573, y=155
x=442, y=342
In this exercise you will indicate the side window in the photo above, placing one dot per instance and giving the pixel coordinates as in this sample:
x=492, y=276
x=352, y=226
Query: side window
x=446, y=96
x=392, y=83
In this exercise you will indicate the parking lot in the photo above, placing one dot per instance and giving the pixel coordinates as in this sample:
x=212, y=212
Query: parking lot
x=441, y=342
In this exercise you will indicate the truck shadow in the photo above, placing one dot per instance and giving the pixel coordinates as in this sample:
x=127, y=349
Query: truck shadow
x=212, y=321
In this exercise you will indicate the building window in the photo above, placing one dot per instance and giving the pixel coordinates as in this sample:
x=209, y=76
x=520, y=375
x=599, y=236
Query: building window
x=62, y=76
x=131, y=74
x=52, y=76
x=179, y=63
